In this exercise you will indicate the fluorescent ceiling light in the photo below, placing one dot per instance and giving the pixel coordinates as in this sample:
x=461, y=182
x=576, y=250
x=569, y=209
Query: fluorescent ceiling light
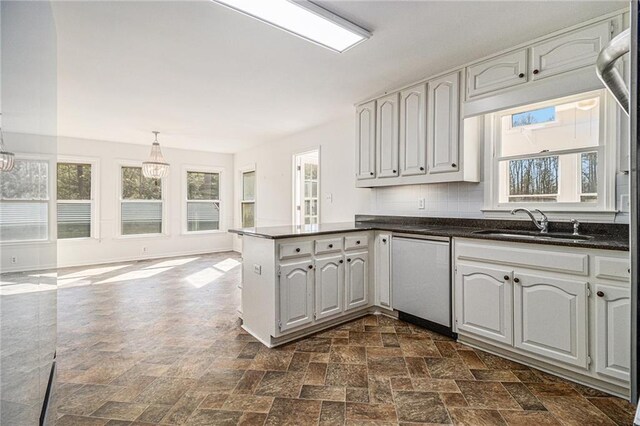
x=304, y=19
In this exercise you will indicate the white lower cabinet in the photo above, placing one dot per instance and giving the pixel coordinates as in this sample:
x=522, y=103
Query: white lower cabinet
x=357, y=280
x=550, y=317
x=484, y=302
x=571, y=317
x=329, y=274
x=383, y=271
x=296, y=294
x=613, y=333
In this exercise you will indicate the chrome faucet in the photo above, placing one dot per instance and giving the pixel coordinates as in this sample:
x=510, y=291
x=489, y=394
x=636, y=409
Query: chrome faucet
x=543, y=225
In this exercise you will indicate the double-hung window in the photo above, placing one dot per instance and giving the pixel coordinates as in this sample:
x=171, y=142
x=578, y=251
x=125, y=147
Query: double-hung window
x=553, y=154
x=75, y=205
x=203, y=201
x=248, y=202
x=141, y=203
x=24, y=201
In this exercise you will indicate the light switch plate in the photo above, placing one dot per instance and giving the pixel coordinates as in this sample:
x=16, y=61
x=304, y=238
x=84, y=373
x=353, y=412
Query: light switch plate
x=257, y=269
x=421, y=203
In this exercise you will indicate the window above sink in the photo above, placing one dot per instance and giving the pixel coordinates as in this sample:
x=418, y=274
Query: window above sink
x=557, y=155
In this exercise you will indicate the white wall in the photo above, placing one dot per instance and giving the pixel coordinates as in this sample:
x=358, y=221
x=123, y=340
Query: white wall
x=110, y=246
x=274, y=171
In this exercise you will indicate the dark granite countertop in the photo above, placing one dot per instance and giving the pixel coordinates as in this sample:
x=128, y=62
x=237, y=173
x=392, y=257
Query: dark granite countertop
x=604, y=236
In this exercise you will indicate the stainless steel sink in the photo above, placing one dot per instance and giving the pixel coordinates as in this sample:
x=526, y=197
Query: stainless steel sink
x=533, y=235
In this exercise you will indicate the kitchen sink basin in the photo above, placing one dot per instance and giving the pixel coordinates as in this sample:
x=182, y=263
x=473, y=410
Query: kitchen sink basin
x=534, y=235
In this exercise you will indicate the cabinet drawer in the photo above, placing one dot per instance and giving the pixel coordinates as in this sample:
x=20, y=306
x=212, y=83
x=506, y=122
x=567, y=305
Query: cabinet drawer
x=291, y=250
x=609, y=268
x=328, y=245
x=355, y=242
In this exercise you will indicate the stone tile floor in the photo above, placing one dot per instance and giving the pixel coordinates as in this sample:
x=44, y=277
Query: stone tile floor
x=159, y=342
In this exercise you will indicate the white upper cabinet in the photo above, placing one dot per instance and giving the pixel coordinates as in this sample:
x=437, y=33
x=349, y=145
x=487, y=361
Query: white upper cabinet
x=541, y=301
x=357, y=280
x=387, y=135
x=366, y=140
x=413, y=136
x=571, y=51
x=613, y=333
x=443, y=124
x=498, y=73
x=484, y=302
x=296, y=294
x=329, y=286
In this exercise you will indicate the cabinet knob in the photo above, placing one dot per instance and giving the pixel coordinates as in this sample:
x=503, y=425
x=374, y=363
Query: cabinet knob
x=506, y=277
x=516, y=280
x=341, y=261
x=600, y=294
x=310, y=266
x=395, y=171
x=358, y=242
x=298, y=250
x=371, y=173
x=348, y=260
x=521, y=75
x=454, y=165
x=384, y=240
x=422, y=169
x=536, y=71
x=330, y=245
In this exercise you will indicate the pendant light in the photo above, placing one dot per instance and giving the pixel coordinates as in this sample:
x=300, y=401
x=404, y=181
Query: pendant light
x=7, y=159
x=156, y=167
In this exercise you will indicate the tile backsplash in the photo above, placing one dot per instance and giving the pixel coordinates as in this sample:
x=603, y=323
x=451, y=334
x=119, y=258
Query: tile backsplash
x=458, y=199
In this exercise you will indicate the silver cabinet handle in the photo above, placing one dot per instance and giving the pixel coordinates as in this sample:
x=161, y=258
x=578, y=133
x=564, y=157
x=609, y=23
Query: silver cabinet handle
x=609, y=74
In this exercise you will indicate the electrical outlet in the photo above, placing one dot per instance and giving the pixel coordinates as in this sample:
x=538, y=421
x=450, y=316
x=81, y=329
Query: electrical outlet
x=14, y=260
x=144, y=249
x=421, y=203
x=257, y=269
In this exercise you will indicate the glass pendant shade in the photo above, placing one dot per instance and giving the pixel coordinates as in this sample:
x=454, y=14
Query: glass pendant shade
x=7, y=159
x=155, y=167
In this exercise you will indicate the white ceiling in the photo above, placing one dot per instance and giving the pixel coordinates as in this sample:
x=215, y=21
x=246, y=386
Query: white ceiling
x=212, y=79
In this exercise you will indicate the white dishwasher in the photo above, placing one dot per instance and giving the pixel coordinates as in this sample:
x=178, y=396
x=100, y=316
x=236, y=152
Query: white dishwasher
x=421, y=281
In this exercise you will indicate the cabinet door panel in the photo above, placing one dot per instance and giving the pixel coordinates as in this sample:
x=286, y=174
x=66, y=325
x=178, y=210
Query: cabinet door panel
x=329, y=286
x=366, y=140
x=387, y=135
x=357, y=280
x=413, y=137
x=497, y=73
x=443, y=126
x=569, y=52
x=484, y=302
x=550, y=317
x=296, y=294
x=383, y=270
x=613, y=320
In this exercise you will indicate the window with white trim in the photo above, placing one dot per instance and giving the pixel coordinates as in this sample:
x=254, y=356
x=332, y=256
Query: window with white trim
x=141, y=200
x=24, y=201
x=75, y=200
x=553, y=154
x=248, y=202
x=203, y=201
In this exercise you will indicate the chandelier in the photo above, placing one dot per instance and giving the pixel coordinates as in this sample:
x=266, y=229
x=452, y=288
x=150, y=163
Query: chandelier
x=155, y=167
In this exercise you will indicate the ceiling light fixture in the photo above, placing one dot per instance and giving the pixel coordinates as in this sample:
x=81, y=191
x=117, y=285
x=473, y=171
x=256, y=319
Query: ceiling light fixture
x=7, y=159
x=156, y=167
x=303, y=19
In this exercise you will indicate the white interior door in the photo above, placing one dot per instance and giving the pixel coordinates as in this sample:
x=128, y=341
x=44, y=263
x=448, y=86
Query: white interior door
x=306, y=188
